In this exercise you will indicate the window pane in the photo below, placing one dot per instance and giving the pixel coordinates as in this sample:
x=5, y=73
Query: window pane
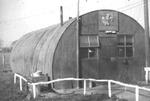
x=121, y=44
x=129, y=51
x=120, y=40
x=92, y=52
x=94, y=41
x=121, y=52
x=128, y=43
x=129, y=40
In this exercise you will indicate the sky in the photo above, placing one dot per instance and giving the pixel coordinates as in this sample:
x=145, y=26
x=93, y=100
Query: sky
x=18, y=17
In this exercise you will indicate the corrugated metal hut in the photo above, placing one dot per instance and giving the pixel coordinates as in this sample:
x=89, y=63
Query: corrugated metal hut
x=111, y=47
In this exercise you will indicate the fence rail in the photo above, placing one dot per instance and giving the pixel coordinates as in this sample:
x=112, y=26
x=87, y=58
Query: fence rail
x=137, y=88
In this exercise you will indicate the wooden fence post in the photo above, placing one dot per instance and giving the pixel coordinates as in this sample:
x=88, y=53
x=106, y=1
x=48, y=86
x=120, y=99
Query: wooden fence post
x=109, y=88
x=20, y=83
x=137, y=93
x=34, y=90
x=15, y=78
x=84, y=92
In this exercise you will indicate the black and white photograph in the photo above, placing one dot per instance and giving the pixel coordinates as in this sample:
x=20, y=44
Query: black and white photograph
x=74, y=50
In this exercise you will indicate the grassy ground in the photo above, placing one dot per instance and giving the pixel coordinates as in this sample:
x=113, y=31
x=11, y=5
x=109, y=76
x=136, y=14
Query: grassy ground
x=9, y=91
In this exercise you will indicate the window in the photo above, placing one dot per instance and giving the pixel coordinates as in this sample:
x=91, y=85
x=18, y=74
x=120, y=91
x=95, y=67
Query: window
x=88, y=52
x=125, y=45
x=89, y=46
x=89, y=41
x=92, y=52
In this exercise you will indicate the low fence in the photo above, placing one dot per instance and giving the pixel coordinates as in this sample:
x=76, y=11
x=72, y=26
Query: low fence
x=137, y=88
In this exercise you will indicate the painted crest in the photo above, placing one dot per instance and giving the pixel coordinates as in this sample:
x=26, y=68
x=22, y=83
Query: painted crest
x=107, y=19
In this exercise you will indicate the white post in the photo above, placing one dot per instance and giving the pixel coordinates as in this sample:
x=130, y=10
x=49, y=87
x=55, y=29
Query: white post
x=146, y=76
x=15, y=78
x=34, y=91
x=147, y=70
x=137, y=93
x=109, y=88
x=84, y=92
x=20, y=83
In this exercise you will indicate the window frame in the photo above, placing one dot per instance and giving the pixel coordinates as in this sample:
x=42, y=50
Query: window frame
x=125, y=46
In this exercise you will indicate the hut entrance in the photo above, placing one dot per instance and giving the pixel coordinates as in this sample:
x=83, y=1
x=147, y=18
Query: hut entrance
x=107, y=57
x=89, y=56
x=89, y=63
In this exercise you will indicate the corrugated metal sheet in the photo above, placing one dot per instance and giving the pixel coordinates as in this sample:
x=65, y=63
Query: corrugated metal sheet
x=35, y=50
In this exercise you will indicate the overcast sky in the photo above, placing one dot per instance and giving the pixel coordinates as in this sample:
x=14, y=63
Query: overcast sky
x=18, y=17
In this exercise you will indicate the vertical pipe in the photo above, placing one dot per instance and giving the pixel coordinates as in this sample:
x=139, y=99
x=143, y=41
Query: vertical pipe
x=125, y=45
x=88, y=48
x=146, y=20
x=77, y=44
x=61, y=15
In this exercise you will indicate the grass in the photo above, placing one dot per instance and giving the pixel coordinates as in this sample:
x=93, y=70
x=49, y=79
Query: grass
x=76, y=97
x=9, y=91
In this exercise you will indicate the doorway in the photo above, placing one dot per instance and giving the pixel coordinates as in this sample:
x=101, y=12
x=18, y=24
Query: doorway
x=108, y=57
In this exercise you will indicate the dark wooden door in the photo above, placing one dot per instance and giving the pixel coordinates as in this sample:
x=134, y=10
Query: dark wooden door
x=107, y=57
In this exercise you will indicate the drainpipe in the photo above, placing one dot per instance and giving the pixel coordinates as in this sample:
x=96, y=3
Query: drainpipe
x=147, y=42
x=77, y=44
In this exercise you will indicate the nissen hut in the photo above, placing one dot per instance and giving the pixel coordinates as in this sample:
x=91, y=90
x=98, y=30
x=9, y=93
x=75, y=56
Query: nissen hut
x=111, y=46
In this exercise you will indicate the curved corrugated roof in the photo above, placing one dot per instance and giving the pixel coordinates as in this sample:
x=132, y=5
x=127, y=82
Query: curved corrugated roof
x=35, y=50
